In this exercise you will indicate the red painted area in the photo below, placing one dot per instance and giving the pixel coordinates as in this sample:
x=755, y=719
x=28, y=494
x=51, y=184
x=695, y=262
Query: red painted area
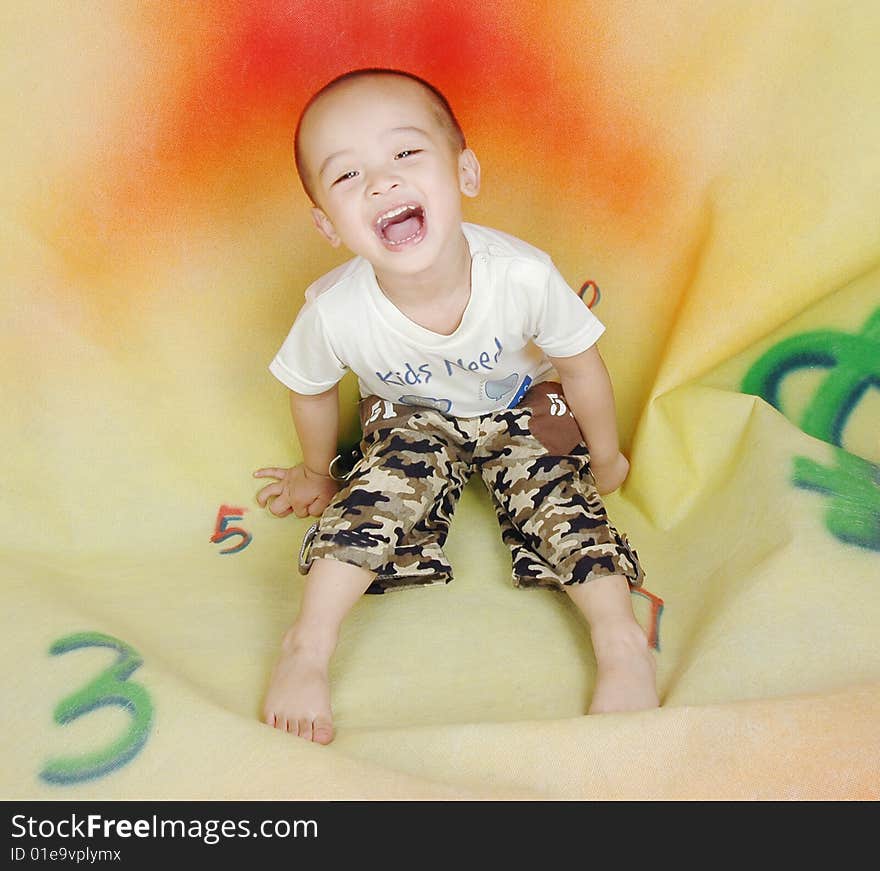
x=246, y=69
x=657, y=606
x=499, y=68
x=590, y=293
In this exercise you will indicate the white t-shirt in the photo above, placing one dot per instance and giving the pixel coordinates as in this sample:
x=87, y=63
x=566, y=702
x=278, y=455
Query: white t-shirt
x=520, y=310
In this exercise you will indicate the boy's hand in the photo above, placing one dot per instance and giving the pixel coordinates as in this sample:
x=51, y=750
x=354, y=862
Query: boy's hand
x=611, y=474
x=297, y=490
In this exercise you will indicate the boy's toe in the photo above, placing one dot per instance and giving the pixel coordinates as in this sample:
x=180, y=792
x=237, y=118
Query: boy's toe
x=322, y=732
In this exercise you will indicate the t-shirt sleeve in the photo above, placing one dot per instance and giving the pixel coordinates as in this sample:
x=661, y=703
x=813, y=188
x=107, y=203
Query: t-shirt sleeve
x=306, y=362
x=566, y=326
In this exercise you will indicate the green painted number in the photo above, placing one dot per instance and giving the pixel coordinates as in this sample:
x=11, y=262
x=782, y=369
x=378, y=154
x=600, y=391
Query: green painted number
x=111, y=687
x=853, y=486
x=854, y=364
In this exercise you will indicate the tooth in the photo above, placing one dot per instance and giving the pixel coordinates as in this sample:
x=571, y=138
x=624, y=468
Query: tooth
x=393, y=213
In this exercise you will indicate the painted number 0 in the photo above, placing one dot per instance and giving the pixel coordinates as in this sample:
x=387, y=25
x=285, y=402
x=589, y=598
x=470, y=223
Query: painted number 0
x=111, y=687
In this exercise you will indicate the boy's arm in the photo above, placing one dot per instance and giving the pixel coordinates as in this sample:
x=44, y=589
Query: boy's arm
x=306, y=489
x=590, y=396
x=316, y=419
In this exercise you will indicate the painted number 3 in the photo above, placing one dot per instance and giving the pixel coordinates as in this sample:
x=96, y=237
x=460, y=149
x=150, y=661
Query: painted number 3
x=111, y=687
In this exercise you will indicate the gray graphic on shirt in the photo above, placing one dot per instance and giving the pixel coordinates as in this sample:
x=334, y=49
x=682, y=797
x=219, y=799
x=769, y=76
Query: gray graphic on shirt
x=497, y=389
x=442, y=405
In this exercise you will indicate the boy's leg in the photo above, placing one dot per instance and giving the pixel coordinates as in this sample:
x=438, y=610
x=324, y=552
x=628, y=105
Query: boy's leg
x=298, y=697
x=401, y=494
x=626, y=670
x=535, y=466
x=393, y=513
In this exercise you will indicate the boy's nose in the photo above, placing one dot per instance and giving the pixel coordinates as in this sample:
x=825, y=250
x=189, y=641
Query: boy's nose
x=382, y=183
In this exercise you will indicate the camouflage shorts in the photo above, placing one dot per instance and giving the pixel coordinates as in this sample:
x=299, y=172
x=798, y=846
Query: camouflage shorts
x=392, y=516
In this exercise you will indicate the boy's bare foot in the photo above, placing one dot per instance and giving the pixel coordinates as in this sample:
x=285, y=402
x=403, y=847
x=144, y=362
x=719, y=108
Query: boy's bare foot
x=626, y=677
x=298, y=698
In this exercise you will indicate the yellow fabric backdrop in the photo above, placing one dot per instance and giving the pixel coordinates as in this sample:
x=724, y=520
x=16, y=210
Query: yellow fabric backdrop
x=712, y=166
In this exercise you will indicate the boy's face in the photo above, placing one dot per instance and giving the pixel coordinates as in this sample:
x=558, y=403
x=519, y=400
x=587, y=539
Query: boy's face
x=386, y=177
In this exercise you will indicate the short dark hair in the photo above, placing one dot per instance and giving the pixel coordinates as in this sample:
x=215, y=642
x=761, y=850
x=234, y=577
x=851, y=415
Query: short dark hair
x=443, y=110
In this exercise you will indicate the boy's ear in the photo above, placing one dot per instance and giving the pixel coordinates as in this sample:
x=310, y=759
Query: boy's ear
x=325, y=227
x=469, y=173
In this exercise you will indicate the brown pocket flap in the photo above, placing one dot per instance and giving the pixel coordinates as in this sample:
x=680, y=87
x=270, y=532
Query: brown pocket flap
x=552, y=422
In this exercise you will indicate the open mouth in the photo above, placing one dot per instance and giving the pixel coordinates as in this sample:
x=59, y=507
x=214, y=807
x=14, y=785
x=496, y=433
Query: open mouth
x=401, y=225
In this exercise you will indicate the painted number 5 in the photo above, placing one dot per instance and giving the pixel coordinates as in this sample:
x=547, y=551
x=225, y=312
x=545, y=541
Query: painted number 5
x=223, y=531
x=111, y=687
x=557, y=405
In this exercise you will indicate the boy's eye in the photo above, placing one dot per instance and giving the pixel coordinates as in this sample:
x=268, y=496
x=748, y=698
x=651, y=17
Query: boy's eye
x=407, y=152
x=346, y=176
